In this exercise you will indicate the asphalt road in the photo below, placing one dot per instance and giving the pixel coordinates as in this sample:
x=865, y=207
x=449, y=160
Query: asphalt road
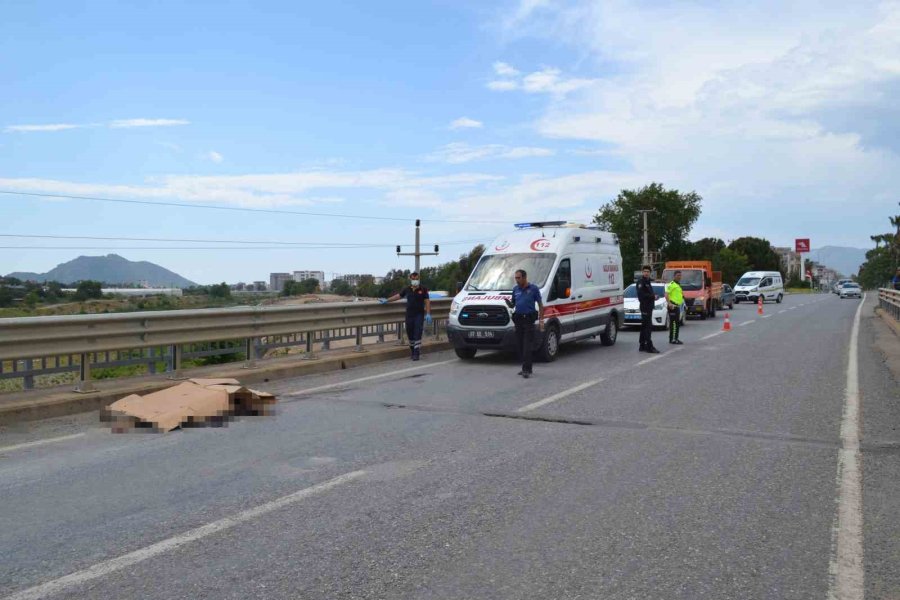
x=710, y=471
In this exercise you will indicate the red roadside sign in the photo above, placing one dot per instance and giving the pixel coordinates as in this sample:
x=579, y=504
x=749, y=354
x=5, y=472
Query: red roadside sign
x=801, y=245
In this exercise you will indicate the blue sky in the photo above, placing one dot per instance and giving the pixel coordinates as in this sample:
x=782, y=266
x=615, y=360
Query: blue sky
x=781, y=115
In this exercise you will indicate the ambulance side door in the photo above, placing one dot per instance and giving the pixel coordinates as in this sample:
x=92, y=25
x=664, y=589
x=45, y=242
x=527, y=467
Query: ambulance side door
x=559, y=305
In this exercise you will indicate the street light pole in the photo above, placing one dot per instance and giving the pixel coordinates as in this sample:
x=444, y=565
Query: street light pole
x=418, y=253
x=646, y=259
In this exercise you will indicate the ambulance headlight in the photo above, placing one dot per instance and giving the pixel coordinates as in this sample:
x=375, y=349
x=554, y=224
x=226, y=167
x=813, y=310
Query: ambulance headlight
x=454, y=307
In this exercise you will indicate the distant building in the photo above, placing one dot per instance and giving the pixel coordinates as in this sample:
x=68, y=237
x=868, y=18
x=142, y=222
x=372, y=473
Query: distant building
x=260, y=286
x=277, y=281
x=355, y=279
x=790, y=261
x=317, y=275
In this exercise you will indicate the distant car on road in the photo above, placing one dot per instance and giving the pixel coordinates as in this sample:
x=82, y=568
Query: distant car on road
x=840, y=283
x=851, y=290
x=660, y=316
x=727, y=297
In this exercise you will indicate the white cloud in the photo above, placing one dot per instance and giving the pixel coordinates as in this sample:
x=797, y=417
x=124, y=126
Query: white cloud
x=119, y=124
x=458, y=153
x=765, y=108
x=50, y=127
x=548, y=80
x=127, y=123
x=466, y=123
x=505, y=70
x=214, y=156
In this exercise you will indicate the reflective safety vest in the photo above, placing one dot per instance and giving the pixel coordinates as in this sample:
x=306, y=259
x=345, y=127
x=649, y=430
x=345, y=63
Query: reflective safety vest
x=674, y=292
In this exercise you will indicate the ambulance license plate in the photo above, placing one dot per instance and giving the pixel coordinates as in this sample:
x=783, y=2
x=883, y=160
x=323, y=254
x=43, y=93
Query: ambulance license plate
x=480, y=335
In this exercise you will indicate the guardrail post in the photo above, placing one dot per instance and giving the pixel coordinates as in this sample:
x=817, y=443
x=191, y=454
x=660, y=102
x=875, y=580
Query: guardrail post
x=250, y=349
x=175, y=364
x=85, y=384
x=326, y=339
x=400, y=335
x=359, y=340
x=28, y=379
x=380, y=329
x=310, y=354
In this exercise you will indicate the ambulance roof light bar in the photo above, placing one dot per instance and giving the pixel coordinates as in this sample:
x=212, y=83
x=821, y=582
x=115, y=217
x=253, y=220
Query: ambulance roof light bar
x=535, y=224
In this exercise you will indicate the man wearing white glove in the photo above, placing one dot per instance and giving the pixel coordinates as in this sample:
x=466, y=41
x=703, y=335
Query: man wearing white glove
x=418, y=312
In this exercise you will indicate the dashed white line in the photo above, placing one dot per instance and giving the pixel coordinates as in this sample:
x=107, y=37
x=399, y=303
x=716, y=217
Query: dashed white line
x=846, y=565
x=368, y=378
x=712, y=335
x=745, y=323
x=766, y=316
x=61, y=438
x=658, y=356
x=109, y=566
x=782, y=311
x=559, y=396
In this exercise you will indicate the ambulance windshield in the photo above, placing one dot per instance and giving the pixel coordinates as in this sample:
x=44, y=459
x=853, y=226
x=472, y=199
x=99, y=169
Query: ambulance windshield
x=496, y=271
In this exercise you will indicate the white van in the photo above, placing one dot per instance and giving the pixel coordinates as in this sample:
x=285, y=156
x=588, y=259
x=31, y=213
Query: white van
x=578, y=270
x=754, y=284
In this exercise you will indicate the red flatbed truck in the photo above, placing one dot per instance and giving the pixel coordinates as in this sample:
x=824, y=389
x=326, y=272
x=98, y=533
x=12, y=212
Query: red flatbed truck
x=701, y=285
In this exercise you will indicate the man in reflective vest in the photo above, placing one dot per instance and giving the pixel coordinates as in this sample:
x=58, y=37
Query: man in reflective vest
x=674, y=300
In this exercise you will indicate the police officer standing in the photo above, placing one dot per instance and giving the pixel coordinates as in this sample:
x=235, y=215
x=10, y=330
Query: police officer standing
x=418, y=312
x=646, y=299
x=525, y=296
x=674, y=300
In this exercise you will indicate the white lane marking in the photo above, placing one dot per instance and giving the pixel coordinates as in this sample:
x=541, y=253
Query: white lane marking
x=766, y=316
x=61, y=438
x=126, y=560
x=712, y=335
x=846, y=566
x=369, y=378
x=559, y=396
x=747, y=323
x=658, y=356
x=782, y=311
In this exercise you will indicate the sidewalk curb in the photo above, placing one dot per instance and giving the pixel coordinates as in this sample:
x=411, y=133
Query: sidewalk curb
x=45, y=404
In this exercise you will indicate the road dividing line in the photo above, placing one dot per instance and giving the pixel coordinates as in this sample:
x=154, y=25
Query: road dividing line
x=369, y=378
x=747, y=323
x=712, y=335
x=766, y=316
x=559, y=396
x=846, y=566
x=173, y=543
x=62, y=438
x=782, y=311
x=658, y=356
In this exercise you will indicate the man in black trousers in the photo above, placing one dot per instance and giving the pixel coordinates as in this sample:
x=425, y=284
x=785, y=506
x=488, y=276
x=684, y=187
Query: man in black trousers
x=646, y=299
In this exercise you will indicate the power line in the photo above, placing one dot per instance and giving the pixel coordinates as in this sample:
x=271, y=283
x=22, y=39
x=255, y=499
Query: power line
x=244, y=209
x=219, y=241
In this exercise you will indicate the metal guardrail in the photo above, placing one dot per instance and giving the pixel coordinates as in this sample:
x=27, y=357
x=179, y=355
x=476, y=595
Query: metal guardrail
x=889, y=301
x=76, y=343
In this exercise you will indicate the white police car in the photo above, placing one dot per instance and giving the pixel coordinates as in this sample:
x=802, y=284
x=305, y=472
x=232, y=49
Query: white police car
x=660, y=317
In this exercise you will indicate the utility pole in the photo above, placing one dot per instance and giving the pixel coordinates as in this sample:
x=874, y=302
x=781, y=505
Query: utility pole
x=646, y=259
x=418, y=253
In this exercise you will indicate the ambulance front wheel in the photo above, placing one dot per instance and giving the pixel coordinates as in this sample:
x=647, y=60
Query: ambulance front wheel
x=466, y=353
x=549, y=349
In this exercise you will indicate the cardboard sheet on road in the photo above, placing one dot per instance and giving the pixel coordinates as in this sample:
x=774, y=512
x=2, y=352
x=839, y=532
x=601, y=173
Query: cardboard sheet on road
x=193, y=402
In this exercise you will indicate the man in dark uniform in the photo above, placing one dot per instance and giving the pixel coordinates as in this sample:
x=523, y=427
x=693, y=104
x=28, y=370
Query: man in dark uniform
x=528, y=308
x=418, y=312
x=646, y=299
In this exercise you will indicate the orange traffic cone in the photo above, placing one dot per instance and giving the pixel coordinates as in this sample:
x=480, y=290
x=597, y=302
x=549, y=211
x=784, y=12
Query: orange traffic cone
x=727, y=325
x=760, y=309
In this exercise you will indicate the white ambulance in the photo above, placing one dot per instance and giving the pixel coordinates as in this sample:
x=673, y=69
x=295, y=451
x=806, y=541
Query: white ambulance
x=578, y=270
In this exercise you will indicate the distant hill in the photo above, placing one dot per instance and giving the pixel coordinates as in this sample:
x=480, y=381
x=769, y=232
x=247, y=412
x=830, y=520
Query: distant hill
x=845, y=261
x=109, y=269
